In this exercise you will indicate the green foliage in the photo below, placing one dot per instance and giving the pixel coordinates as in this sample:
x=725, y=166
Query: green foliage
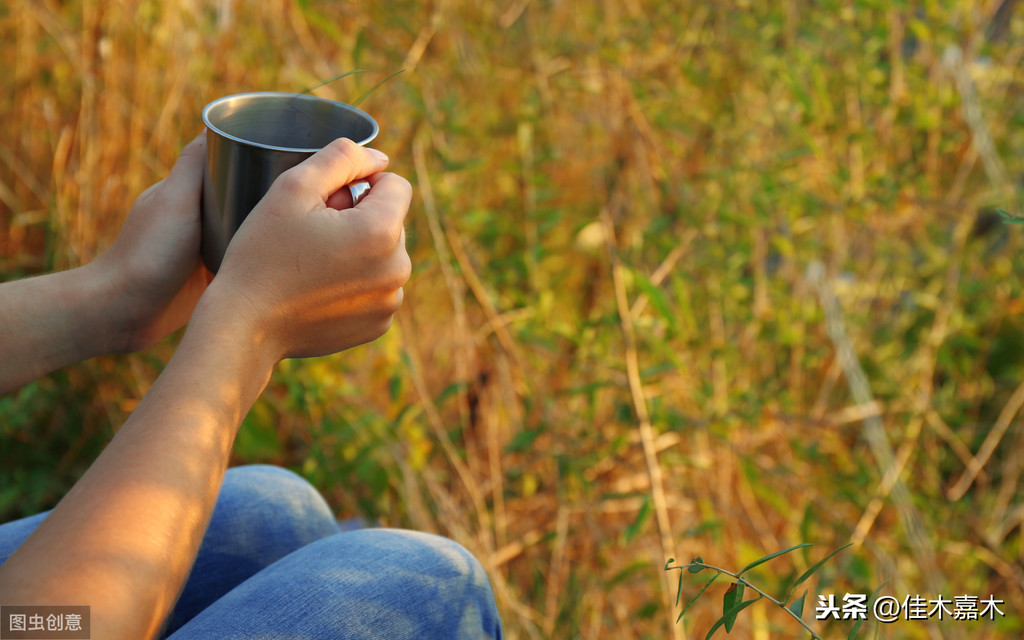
x=732, y=600
x=718, y=149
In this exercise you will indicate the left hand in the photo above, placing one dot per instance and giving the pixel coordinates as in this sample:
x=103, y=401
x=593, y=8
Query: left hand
x=153, y=273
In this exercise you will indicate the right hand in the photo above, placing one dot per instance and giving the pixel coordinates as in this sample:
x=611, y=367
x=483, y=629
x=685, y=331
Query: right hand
x=308, y=279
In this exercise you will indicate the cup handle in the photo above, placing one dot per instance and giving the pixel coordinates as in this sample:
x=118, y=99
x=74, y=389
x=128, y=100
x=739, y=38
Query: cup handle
x=358, y=189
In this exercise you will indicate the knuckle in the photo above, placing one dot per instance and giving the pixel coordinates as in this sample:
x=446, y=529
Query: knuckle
x=406, y=186
x=384, y=237
x=343, y=147
x=403, y=268
x=387, y=304
x=394, y=275
x=397, y=299
x=290, y=182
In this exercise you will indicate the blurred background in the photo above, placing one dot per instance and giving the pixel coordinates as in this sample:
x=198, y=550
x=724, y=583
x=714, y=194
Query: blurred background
x=691, y=279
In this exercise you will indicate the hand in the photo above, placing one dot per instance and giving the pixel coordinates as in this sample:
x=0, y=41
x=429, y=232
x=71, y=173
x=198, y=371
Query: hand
x=152, y=272
x=307, y=279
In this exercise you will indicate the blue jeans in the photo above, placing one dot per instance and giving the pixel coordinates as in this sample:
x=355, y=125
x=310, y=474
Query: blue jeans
x=275, y=564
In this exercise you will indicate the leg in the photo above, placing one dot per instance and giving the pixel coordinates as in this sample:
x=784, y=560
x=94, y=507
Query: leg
x=370, y=583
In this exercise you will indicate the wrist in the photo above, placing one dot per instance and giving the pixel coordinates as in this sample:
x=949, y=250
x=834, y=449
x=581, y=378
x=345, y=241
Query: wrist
x=94, y=318
x=228, y=320
x=227, y=345
x=109, y=318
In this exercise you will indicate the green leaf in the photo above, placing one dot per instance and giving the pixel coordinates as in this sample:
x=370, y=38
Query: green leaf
x=773, y=555
x=637, y=567
x=375, y=87
x=733, y=598
x=523, y=440
x=323, y=23
x=860, y=622
x=798, y=606
x=855, y=629
x=699, y=593
x=1008, y=217
x=700, y=565
x=659, y=301
x=317, y=85
x=733, y=613
x=642, y=517
x=807, y=574
x=679, y=589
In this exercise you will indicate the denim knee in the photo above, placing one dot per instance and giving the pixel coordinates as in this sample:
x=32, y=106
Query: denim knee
x=262, y=500
x=370, y=583
x=263, y=513
x=435, y=570
x=421, y=585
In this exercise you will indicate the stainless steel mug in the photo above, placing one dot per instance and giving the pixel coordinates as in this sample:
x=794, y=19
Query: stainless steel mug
x=251, y=139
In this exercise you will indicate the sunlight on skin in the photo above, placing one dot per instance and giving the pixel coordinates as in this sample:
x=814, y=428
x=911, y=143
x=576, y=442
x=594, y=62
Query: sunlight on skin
x=164, y=468
x=136, y=519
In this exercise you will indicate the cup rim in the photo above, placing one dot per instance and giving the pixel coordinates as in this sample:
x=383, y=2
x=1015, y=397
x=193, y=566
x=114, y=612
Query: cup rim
x=280, y=94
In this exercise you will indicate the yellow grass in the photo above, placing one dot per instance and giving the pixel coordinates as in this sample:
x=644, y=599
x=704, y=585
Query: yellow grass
x=612, y=351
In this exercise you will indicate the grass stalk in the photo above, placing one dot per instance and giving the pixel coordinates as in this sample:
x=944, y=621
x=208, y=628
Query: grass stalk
x=644, y=426
x=874, y=433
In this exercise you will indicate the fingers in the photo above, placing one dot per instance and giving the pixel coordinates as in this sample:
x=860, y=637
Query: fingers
x=340, y=199
x=180, y=190
x=184, y=183
x=188, y=170
x=333, y=167
x=389, y=196
x=379, y=217
x=397, y=194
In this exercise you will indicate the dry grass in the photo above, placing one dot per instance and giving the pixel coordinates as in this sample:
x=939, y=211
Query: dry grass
x=611, y=351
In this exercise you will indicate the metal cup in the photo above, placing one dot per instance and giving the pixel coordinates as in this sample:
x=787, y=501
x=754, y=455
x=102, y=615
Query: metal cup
x=254, y=137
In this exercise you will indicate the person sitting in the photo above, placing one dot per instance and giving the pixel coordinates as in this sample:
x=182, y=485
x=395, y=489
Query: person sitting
x=158, y=538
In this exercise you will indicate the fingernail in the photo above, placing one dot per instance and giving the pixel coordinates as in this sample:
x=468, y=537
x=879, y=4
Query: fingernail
x=379, y=156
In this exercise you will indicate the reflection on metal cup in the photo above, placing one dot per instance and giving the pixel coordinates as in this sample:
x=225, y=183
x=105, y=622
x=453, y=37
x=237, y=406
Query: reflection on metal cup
x=359, y=189
x=252, y=138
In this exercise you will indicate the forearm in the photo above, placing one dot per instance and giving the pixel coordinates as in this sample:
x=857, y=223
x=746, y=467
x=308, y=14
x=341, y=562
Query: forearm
x=140, y=512
x=47, y=322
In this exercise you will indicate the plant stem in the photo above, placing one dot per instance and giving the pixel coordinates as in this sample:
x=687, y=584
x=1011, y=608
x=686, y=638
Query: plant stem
x=743, y=580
